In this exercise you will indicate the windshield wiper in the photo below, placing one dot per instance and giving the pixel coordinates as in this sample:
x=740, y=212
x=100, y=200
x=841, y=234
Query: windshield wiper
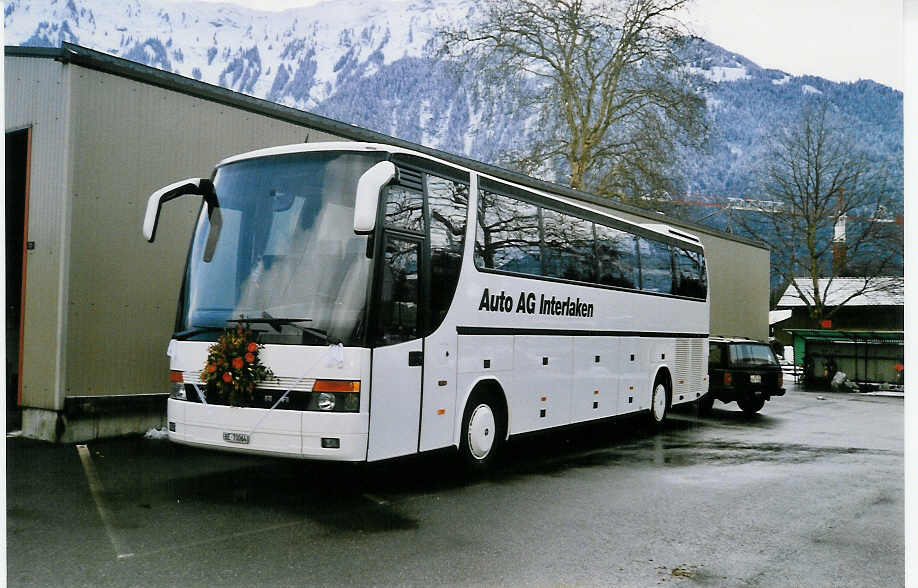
x=195, y=330
x=275, y=322
x=278, y=322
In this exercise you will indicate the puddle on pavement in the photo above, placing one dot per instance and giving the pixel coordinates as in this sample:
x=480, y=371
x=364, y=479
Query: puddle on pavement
x=661, y=452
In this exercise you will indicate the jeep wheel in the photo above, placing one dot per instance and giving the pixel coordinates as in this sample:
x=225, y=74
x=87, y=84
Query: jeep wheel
x=705, y=404
x=751, y=405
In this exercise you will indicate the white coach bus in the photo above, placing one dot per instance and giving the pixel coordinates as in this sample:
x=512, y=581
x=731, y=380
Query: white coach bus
x=406, y=304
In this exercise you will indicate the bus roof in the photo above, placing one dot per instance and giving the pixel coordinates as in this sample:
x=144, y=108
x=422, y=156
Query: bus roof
x=660, y=228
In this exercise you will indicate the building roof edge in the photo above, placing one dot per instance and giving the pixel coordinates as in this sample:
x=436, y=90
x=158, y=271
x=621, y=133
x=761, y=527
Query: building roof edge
x=97, y=60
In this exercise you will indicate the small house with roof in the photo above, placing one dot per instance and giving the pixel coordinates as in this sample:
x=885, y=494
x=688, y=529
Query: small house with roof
x=861, y=333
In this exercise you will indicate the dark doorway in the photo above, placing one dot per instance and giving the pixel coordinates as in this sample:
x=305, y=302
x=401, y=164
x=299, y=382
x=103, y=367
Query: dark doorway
x=17, y=196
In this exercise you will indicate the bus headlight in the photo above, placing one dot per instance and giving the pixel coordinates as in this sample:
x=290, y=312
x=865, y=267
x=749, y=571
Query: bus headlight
x=325, y=401
x=335, y=395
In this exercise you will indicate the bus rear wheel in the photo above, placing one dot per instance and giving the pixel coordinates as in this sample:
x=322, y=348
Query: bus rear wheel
x=659, y=402
x=482, y=432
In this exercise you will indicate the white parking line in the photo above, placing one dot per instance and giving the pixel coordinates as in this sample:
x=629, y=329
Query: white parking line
x=122, y=550
x=220, y=538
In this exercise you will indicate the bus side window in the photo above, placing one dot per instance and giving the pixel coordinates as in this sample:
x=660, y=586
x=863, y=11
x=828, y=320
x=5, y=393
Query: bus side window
x=567, y=247
x=448, y=202
x=399, y=292
x=690, y=279
x=615, y=257
x=656, y=266
x=508, y=235
x=404, y=209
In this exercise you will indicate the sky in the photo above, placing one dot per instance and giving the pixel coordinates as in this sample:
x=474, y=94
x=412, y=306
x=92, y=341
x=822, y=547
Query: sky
x=841, y=40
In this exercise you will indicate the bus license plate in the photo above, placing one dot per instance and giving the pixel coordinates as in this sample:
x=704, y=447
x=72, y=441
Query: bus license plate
x=236, y=438
x=755, y=379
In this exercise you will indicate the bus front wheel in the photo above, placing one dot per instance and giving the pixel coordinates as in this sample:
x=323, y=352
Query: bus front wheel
x=482, y=431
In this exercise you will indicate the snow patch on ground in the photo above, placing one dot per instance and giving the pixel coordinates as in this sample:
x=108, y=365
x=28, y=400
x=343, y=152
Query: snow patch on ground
x=156, y=434
x=782, y=81
x=808, y=89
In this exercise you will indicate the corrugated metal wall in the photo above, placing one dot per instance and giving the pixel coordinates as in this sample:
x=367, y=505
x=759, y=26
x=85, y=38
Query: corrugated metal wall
x=37, y=95
x=130, y=139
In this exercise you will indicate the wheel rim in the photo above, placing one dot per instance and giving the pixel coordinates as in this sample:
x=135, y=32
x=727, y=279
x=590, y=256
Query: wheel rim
x=658, y=406
x=481, y=431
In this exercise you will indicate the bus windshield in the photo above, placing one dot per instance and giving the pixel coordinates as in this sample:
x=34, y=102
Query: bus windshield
x=286, y=260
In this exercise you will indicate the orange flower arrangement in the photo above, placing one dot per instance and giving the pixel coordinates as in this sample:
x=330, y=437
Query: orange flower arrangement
x=233, y=368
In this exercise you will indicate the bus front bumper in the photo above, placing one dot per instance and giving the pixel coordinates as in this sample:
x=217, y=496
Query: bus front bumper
x=286, y=433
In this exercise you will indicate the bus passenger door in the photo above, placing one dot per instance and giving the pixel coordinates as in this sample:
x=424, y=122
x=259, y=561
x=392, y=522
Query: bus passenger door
x=395, y=388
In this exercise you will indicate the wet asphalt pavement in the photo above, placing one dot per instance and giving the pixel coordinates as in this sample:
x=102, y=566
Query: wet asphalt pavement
x=807, y=493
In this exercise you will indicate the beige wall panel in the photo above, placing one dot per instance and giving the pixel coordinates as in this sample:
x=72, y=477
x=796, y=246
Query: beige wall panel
x=739, y=276
x=129, y=140
x=37, y=96
x=739, y=283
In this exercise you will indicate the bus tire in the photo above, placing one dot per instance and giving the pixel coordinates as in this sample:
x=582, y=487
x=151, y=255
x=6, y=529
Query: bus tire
x=659, y=400
x=482, y=431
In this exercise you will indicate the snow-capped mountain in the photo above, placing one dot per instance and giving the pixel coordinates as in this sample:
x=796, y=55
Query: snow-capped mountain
x=374, y=64
x=296, y=57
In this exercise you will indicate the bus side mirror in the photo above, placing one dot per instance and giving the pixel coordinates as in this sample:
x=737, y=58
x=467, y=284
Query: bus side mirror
x=367, y=203
x=197, y=186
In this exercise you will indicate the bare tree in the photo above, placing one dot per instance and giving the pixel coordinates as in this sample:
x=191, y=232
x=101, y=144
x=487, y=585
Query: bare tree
x=827, y=214
x=612, y=94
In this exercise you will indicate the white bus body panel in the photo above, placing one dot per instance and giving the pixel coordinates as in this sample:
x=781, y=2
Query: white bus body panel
x=597, y=381
x=543, y=380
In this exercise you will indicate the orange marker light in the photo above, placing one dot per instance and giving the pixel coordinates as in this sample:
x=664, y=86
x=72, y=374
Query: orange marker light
x=441, y=411
x=176, y=376
x=336, y=386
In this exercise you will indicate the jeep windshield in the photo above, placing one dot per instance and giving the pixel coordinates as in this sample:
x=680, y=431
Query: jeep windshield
x=285, y=247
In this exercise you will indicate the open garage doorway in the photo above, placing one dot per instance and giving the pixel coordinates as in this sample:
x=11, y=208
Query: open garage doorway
x=17, y=211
